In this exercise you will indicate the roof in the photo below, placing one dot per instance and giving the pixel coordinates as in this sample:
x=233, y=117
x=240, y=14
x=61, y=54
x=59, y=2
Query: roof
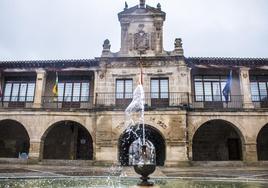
x=50, y=63
x=251, y=62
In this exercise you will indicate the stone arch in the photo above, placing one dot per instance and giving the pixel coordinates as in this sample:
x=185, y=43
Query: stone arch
x=68, y=140
x=152, y=134
x=217, y=140
x=14, y=139
x=262, y=144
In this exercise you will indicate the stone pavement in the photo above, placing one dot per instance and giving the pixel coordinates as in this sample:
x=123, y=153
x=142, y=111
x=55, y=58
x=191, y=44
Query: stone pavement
x=31, y=171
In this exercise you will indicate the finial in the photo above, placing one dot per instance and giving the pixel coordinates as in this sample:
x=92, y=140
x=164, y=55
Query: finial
x=142, y=3
x=178, y=46
x=106, y=51
x=159, y=6
x=106, y=45
x=126, y=5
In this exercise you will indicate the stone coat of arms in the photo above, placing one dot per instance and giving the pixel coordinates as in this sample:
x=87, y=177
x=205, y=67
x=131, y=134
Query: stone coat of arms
x=141, y=40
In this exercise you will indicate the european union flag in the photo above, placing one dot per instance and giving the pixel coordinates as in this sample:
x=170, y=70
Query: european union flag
x=227, y=89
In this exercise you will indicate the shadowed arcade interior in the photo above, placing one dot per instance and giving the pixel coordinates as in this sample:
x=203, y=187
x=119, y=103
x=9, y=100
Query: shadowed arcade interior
x=217, y=140
x=262, y=144
x=152, y=135
x=67, y=140
x=14, y=139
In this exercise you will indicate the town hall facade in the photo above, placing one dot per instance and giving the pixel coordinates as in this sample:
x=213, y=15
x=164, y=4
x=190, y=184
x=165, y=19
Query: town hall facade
x=187, y=117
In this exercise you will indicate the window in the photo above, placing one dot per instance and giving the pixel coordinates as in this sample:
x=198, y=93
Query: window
x=19, y=91
x=73, y=91
x=259, y=88
x=209, y=88
x=159, y=92
x=124, y=88
x=159, y=88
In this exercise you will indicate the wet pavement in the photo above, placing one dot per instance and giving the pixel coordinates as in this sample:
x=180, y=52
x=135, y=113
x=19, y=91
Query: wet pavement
x=42, y=171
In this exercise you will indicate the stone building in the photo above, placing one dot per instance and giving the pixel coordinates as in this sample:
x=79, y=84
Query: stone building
x=187, y=117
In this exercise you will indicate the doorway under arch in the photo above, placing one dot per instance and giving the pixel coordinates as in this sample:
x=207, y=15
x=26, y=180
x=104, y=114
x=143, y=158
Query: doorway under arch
x=151, y=134
x=217, y=140
x=67, y=140
x=14, y=139
x=262, y=144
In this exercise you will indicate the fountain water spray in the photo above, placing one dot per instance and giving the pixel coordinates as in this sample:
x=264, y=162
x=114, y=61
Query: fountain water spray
x=144, y=158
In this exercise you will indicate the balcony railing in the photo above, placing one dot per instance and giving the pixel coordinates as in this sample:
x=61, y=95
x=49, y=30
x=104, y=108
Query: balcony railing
x=122, y=100
x=16, y=101
x=68, y=102
x=260, y=101
x=216, y=102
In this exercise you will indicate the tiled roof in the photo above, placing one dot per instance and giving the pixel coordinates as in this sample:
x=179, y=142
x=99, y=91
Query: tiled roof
x=49, y=63
x=226, y=61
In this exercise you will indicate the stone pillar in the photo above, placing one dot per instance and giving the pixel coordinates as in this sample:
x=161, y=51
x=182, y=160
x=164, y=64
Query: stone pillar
x=124, y=38
x=176, y=154
x=106, y=154
x=159, y=36
x=250, y=152
x=176, y=141
x=245, y=87
x=106, y=144
x=39, y=88
x=34, y=151
x=185, y=83
x=1, y=88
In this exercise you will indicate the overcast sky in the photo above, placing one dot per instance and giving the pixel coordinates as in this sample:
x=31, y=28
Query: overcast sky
x=76, y=29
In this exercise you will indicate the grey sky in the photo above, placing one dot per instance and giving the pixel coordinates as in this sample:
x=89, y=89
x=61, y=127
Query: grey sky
x=76, y=29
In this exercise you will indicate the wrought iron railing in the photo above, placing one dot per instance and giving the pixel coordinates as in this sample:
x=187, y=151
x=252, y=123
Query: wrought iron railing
x=216, y=102
x=260, y=101
x=120, y=100
x=78, y=102
x=16, y=101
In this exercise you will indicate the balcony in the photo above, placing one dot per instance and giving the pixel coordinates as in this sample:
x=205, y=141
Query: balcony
x=119, y=101
x=17, y=101
x=210, y=102
x=152, y=100
x=68, y=102
x=260, y=101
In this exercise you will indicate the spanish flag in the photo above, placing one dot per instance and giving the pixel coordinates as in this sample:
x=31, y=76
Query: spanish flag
x=55, y=88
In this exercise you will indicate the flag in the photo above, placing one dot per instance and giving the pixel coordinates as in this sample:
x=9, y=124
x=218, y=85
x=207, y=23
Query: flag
x=227, y=89
x=55, y=87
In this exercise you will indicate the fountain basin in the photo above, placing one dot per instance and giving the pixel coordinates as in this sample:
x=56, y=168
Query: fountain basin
x=116, y=182
x=145, y=170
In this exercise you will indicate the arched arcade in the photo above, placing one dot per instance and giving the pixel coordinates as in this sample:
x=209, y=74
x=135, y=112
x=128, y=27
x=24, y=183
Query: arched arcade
x=262, y=144
x=67, y=140
x=14, y=139
x=217, y=140
x=152, y=135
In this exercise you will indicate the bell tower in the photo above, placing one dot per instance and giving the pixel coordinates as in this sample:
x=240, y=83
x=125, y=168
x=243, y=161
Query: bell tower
x=141, y=30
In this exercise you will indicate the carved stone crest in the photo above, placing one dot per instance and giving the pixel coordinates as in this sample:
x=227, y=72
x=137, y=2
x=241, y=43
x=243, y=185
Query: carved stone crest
x=245, y=75
x=141, y=40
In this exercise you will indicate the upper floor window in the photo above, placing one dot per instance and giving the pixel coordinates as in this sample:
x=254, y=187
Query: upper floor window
x=124, y=88
x=259, y=88
x=159, y=88
x=73, y=89
x=209, y=88
x=19, y=90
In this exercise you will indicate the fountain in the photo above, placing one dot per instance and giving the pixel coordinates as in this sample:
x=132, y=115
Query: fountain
x=143, y=158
